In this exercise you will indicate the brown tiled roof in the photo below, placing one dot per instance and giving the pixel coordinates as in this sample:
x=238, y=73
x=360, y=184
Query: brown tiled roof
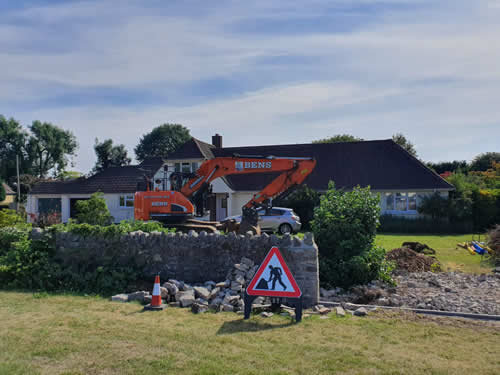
x=8, y=190
x=383, y=165
x=193, y=149
x=111, y=180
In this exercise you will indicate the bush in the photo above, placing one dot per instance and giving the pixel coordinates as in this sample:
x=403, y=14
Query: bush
x=9, y=218
x=25, y=263
x=33, y=264
x=302, y=201
x=494, y=243
x=486, y=209
x=345, y=226
x=93, y=211
x=2, y=191
x=125, y=226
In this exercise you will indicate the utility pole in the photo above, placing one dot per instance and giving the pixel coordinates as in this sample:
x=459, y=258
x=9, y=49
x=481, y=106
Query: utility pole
x=18, y=184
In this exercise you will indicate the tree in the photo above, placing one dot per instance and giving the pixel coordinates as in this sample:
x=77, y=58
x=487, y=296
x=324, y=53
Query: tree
x=483, y=162
x=49, y=148
x=2, y=191
x=449, y=166
x=93, y=211
x=161, y=141
x=401, y=140
x=109, y=155
x=339, y=138
x=69, y=175
x=12, y=142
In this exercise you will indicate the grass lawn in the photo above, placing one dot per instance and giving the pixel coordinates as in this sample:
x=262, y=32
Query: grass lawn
x=452, y=257
x=83, y=335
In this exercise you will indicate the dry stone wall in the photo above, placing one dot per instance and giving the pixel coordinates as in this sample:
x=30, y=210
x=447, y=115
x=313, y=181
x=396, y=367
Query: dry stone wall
x=193, y=257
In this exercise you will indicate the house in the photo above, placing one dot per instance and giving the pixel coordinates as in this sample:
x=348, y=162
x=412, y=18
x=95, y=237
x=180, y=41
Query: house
x=10, y=197
x=399, y=178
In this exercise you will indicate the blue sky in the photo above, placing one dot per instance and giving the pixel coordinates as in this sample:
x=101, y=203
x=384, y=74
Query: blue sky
x=260, y=72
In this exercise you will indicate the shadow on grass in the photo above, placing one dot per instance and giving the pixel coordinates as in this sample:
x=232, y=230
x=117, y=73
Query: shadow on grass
x=241, y=325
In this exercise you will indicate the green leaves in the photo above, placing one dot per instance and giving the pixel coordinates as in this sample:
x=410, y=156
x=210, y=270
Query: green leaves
x=94, y=211
x=339, y=138
x=344, y=227
x=109, y=155
x=161, y=141
x=49, y=147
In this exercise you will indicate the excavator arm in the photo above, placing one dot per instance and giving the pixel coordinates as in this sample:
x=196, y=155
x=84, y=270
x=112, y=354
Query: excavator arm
x=294, y=171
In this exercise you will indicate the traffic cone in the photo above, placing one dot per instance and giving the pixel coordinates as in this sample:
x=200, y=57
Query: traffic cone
x=156, y=304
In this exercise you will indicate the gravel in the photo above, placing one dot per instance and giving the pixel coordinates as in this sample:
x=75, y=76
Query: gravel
x=445, y=291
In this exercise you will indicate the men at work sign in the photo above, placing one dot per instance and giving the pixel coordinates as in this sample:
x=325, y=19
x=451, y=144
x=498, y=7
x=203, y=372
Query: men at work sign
x=273, y=278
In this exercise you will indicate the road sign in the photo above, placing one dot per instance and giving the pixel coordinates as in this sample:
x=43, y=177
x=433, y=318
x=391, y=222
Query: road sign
x=273, y=278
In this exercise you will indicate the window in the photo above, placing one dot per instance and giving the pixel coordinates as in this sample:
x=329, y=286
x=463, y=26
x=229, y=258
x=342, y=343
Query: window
x=194, y=167
x=186, y=167
x=401, y=202
x=389, y=201
x=127, y=201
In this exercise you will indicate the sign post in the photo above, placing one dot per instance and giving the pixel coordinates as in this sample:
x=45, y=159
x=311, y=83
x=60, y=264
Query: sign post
x=274, y=279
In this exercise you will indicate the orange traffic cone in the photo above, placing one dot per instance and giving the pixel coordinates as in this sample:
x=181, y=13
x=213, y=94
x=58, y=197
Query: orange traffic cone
x=156, y=304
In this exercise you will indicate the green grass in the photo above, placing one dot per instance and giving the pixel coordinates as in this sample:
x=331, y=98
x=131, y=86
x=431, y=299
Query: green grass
x=82, y=335
x=452, y=257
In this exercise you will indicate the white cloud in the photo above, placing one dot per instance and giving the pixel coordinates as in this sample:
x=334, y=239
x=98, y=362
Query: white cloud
x=431, y=72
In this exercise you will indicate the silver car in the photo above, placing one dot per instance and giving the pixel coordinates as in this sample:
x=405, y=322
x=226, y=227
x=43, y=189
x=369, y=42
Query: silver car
x=276, y=219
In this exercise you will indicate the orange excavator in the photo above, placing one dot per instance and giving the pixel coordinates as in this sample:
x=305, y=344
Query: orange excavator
x=174, y=208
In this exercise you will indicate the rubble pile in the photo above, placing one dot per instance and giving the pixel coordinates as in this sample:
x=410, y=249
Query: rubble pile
x=411, y=261
x=226, y=295
x=445, y=291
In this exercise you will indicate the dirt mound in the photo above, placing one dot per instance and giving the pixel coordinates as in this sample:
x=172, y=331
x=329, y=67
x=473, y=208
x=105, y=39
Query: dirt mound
x=419, y=247
x=409, y=260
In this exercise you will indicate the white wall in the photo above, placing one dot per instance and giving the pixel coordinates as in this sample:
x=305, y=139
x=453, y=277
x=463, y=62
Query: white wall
x=112, y=201
x=238, y=200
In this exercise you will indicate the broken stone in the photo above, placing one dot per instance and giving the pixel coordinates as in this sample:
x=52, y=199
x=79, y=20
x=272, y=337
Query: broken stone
x=360, y=312
x=227, y=307
x=120, y=298
x=171, y=287
x=163, y=292
x=248, y=262
x=186, y=299
x=340, y=311
x=137, y=296
x=266, y=314
x=197, y=308
x=201, y=292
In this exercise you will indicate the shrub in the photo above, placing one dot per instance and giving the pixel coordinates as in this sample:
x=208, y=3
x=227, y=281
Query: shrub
x=9, y=218
x=93, y=211
x=48, y=219
x=434, y=205
x=494, y=243
x=2, y=191
x=302, y=201
x=125, y=226
x=25, y=263
x=345, y=226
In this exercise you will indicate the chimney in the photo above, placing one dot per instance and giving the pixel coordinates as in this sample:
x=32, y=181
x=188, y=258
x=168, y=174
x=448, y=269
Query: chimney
x=217, y=140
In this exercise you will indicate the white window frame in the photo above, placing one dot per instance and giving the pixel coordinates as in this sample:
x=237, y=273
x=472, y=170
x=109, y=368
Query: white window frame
x=126, y=199
x=404, y=194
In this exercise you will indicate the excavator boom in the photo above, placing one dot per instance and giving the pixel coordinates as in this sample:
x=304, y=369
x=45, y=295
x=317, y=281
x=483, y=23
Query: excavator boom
x=167, y=205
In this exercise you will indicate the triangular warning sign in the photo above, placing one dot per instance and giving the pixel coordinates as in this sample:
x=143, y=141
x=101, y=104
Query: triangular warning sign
x=273, y=278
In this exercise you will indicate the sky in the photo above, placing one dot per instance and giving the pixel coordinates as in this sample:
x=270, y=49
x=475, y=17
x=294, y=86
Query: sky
x=257, y=72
